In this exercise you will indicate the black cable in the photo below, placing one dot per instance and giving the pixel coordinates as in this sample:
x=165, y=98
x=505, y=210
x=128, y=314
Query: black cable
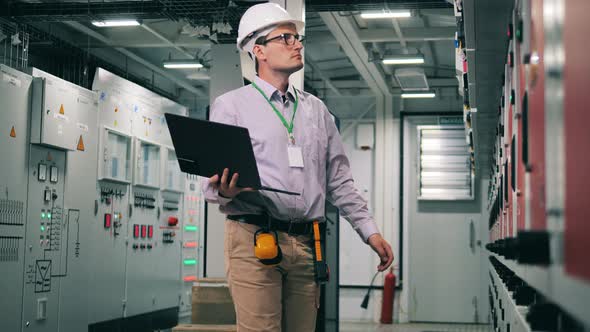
x=365, y=303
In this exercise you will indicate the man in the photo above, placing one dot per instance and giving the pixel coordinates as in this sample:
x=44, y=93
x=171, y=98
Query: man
x=298, y=149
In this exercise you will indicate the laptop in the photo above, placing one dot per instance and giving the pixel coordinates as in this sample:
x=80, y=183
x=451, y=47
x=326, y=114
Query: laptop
x=206, y=148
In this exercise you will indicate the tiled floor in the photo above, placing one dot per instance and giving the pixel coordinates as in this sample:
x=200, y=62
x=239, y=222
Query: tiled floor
x=368, y=327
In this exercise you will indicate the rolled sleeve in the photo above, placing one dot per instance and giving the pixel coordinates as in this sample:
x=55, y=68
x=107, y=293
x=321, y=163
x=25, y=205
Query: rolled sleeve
x=340, y=186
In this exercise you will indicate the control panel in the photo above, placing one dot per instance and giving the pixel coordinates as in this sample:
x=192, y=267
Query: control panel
x=192, y=252
x=45, y=254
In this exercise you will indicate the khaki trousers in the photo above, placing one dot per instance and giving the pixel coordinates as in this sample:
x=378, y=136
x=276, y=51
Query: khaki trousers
x=278, y=298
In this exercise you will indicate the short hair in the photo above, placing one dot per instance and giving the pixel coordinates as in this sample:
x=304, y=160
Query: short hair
x=259, y=41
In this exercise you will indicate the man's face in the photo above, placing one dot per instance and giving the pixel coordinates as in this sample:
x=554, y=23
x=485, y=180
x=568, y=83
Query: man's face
x=278, y=55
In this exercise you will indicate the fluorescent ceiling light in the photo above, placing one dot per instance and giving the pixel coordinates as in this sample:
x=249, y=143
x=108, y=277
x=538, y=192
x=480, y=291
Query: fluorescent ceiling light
x=116, y=23
x=198, y=75
x=186, y=64
x=419, y=95
x=388, y=14
x=403, y=61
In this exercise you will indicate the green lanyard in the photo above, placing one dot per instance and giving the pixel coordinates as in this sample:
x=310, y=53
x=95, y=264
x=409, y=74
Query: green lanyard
x=289, y=126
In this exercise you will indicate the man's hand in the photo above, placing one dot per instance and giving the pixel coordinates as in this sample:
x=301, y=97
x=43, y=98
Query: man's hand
x=228, y=190
x=383, y=249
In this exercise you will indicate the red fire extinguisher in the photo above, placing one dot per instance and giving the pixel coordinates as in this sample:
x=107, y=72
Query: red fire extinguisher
x=388, y=294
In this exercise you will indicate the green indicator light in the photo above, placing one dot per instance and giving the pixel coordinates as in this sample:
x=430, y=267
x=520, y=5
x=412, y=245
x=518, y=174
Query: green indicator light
x=42, y=215
x=42, y=228
x=190, y=262
x=49, y=216
x=190, y=228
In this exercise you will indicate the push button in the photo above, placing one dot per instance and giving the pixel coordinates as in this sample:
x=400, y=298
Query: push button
x=172, y=221
x=107, y=220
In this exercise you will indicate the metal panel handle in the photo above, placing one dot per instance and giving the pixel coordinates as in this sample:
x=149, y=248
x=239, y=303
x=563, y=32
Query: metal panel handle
x=525, y=130
x=472, y=236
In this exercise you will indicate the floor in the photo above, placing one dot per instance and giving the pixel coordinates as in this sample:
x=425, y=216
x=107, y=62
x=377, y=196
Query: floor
x=368, y=327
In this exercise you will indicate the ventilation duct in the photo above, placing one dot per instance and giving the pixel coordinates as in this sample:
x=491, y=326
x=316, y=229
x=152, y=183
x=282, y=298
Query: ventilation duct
x=411, y=79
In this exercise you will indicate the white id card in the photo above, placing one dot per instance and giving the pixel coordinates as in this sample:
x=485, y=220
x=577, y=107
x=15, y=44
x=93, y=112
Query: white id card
x=295, y=156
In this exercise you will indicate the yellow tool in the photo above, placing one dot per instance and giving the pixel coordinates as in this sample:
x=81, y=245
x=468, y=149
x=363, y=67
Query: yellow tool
x=266, y=247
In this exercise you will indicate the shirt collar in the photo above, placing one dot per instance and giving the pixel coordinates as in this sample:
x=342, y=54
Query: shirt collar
x=269, y=90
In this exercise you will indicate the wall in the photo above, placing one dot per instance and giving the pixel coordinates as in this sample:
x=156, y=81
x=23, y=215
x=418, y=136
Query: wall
x=355, y=269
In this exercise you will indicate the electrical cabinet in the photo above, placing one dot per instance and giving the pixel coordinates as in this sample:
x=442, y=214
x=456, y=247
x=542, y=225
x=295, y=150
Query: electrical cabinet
x=139, y=160
x=15, y=94
x=537, y=203
x=93, y=213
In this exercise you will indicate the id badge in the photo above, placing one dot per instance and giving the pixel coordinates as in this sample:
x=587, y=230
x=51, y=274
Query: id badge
x=295, y=156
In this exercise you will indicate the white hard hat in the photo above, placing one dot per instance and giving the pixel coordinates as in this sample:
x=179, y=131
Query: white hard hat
x=259, y=20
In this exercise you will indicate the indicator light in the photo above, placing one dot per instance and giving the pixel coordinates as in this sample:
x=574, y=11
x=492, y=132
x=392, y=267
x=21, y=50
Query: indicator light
x=190, y=262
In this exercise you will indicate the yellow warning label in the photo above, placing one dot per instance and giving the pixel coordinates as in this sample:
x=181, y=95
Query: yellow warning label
x=61, y=109
x=12, y=132
x=115, y=123
x=80, y=144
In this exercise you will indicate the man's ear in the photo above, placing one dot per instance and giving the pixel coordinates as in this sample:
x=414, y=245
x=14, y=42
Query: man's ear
x=258, y=51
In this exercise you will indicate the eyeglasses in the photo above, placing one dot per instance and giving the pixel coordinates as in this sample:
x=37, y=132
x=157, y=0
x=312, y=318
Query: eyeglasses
x=288, y=38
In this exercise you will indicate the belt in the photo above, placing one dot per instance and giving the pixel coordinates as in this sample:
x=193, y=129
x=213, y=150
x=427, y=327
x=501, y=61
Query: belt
x=291, y=228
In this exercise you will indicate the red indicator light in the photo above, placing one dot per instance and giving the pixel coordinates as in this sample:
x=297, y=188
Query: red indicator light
x=135, y=231
x=191, y=244
x=143, y=231
x=107, y=220
x=190, y=278
x=150, y=232
x=172, y=221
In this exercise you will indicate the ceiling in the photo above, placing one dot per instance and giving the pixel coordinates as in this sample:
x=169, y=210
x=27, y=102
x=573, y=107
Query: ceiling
x=342, y=51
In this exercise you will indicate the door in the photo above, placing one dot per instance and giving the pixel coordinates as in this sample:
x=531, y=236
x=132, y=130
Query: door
x=444, y=249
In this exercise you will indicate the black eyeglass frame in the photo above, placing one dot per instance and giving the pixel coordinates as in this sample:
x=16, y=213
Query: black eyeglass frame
x=284, y=36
